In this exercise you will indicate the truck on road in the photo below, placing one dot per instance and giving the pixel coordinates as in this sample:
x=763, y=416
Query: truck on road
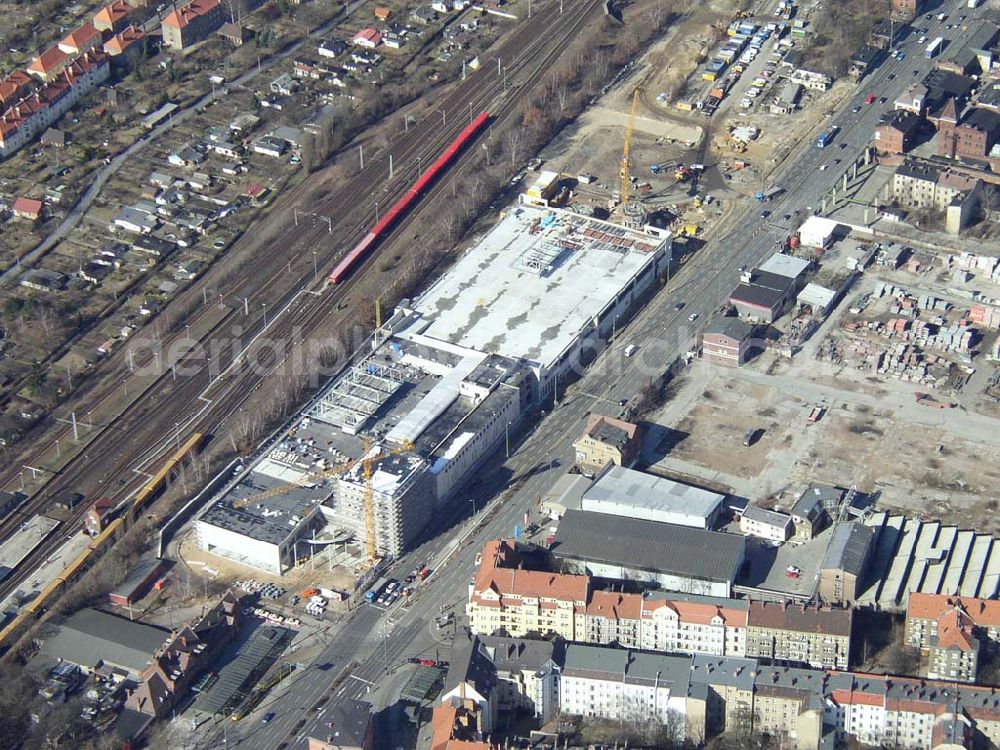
x=770, y=194
x=824, y=139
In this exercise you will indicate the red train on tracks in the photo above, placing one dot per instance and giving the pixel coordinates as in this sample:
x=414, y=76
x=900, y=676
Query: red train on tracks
x=401, y=207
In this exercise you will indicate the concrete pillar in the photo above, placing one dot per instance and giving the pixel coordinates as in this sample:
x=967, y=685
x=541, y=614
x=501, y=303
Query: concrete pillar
x=868, y=156
x=845, y=180
x=822, y=206
x=867, y=206
x=854, y=174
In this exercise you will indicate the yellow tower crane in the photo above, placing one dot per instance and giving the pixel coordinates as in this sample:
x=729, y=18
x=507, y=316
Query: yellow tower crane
x=333, y=471
x=368, y=462
x=625, y=171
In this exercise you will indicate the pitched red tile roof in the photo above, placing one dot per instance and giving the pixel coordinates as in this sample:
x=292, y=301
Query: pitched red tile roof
x=498, y=571
x=28, y=206
x=703, y=614
x=370, y=35
x=181, y=17
x=615, y=606
x=81, y=37
x=984, y=612
x=955, y=631
x=14, y=86
x=50, y=60
x=110, y=15
x=119, y=43
x=854, y=697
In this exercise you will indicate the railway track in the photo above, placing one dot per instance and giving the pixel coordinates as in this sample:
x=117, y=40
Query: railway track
x=203, y=401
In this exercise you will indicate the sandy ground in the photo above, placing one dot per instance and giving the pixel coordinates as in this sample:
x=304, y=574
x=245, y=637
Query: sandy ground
x=938, y=462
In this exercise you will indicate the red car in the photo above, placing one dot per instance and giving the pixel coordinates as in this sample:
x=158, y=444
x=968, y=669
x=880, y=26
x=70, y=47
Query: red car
x=870, y=99
x=428, y=663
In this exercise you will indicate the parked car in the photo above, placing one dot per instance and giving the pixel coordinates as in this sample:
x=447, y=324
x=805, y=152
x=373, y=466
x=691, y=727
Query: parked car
x=267, y=717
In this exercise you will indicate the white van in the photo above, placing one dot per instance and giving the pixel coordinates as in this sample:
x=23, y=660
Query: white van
x=630, y=350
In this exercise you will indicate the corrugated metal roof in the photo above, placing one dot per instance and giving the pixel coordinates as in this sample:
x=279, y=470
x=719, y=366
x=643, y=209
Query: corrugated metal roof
x=649, y=545
x=848, y=547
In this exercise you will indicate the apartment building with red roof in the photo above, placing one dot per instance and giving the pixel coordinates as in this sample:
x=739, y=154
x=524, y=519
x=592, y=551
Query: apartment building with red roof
x=949, y=630
x=114, y=16
x=16, y=86
x=81, y=39
x=511, y=593
x=31, y=114
x=192, y=23
x=126, y=46
x=49, y=64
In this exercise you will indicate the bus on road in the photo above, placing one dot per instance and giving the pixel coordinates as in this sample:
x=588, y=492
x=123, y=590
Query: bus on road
x=934, y=47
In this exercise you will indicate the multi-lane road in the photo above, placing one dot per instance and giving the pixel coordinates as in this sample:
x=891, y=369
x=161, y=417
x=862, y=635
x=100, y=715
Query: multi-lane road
x=279, y=292
x=662, y=333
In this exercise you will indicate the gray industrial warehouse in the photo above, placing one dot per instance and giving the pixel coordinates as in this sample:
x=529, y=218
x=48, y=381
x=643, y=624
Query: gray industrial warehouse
x=675, y=558
x=632, y=494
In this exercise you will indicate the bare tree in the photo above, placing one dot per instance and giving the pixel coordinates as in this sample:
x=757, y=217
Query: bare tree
x=515, y=146
x=236, y=10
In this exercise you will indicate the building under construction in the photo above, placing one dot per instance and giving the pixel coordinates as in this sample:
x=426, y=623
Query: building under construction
x=453, y=374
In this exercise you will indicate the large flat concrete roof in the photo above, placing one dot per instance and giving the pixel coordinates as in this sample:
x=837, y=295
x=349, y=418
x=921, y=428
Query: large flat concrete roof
x=626, y=492
x=533, y=283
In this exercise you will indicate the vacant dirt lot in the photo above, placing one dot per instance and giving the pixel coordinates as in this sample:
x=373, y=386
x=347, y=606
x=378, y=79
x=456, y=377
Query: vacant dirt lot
x=921, y=461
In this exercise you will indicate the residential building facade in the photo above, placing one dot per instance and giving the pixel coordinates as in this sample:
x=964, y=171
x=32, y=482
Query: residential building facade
x=765, y=524
x=508, y=595
x=698, y=697
x=949, y=631
x=192, y=23
x=37, y=109
x=606, y=440
x=819, y=636
x=727, y=342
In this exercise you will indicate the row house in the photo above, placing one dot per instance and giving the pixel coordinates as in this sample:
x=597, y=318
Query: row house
x=29, y=116
x=507, y=595
x=17, y=85
x=819, y=636
x=81, y=39
x=697, y=697
x=911, y=713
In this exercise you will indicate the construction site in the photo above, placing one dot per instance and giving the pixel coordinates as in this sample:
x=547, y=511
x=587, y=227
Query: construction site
x=374, y=461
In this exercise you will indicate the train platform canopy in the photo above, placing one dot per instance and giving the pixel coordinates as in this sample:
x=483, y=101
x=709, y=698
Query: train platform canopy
x=535, y=283
x=239, y=675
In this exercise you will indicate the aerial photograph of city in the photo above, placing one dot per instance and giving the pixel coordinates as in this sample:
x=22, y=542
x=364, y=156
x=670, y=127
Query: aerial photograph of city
x=500, y=374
